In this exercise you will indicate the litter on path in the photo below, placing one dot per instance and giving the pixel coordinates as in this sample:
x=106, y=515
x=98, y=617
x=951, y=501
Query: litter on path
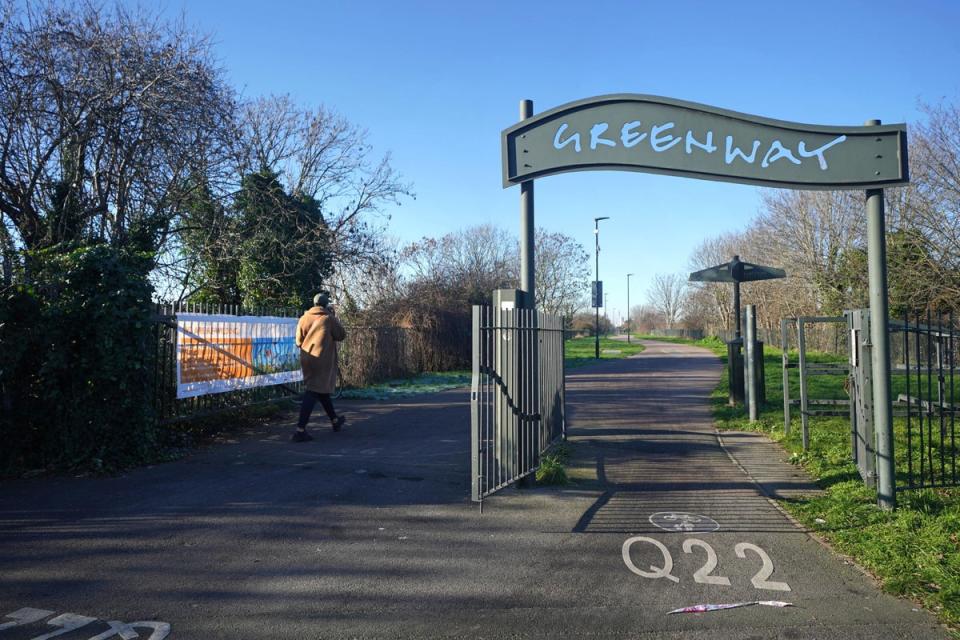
x=701, y=608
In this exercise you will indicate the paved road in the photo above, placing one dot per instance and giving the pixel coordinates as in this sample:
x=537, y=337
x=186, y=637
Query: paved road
x=369, y=532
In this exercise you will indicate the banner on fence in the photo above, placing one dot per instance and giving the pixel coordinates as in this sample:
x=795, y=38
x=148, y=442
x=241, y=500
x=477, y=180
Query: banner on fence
x=220, y=353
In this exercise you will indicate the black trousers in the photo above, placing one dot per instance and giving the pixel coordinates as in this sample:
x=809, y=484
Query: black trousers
x=306, y=407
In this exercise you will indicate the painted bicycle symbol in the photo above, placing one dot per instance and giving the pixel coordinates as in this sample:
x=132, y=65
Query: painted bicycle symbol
x=680, y=522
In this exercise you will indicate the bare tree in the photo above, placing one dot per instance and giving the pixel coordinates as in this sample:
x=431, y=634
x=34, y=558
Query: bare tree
x=667, y=294
x=462, y=267
x=714, y=300
x=323, y=212
x=370, y=284
x=810, y=233
x=318, y=154
x=645, y=318
x=818, y=237
x=103, y=116
x=469, y=264
x=932, y=206
x=562, y=273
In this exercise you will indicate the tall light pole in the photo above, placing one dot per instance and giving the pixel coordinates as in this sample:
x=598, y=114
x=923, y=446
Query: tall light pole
x=628, y=307
x=596, y=302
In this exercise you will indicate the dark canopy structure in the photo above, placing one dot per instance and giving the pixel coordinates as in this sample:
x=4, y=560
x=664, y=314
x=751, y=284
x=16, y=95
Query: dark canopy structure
x=737, y=271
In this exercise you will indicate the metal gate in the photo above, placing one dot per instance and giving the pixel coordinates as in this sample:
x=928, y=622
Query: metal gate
x=922, y=380
x=808, y=406
x=517, y=394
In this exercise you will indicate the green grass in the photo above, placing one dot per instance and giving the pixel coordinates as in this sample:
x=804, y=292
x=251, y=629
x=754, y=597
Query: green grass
x=552, y=469
x=581, y=351
x=430, y=382
x=915, y=550
x=714, y=344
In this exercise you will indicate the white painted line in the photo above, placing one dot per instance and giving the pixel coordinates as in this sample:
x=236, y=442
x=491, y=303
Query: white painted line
x=69, y=622
x=27, y=615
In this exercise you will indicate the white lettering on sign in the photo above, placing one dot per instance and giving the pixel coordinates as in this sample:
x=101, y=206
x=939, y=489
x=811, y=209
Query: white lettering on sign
x=662, y=143
x=575, y=139
x=802, y=150
x=734, y=151
x=595, y=138
x=660, y=140
x=776, y=152
x=629, y=137
x=707, y=146
x=702, y=575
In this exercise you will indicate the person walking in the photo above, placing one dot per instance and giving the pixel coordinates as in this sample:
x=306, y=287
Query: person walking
x=318, y=331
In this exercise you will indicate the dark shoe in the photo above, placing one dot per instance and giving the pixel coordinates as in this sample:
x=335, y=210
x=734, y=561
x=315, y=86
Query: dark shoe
x=336, y=424
x=301, y=436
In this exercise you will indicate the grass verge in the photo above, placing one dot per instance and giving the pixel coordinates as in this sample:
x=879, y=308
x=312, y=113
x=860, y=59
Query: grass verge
x=913, y=551
x=716, y=345
x=582, y=351
x=430, y=382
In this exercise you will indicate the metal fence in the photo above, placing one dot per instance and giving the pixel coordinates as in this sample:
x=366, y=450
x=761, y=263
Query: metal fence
x=167, y=406
x=923, y=378
x=794, y=333
x=923, y=372
x=517, y=394
x=369, y=354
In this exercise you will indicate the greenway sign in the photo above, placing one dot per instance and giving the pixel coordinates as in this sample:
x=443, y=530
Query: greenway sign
x=661, y=135
x=632, y=132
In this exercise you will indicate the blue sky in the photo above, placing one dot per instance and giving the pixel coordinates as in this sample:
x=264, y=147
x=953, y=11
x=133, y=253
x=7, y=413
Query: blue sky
x=436, y=82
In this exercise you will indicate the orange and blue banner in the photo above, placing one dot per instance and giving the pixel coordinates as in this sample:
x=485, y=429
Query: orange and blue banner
x=221, y=353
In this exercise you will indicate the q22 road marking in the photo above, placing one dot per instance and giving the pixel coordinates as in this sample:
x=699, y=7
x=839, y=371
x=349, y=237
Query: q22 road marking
x=703, y=575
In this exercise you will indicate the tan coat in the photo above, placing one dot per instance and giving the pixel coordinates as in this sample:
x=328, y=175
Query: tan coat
x=318, y=331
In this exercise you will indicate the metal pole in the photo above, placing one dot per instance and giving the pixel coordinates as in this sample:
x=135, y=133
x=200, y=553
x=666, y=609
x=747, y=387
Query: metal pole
x=753, y=389
x=628, y=307
x=785, y=360
x=802, y=364
x=596, y=281
x=596, y=253
x=736, y=310
x=476, y=482
x=527, y=227
x=880, y=337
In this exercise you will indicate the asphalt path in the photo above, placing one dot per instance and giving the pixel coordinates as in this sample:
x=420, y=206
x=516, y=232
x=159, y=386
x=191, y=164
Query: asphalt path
x=370, y=532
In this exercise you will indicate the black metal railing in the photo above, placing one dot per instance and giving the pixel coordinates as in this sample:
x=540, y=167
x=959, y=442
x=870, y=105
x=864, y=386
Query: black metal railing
x=168, y=407
x=369, y=354
x=923, y=377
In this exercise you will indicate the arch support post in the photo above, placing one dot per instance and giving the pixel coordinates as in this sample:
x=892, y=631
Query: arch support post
x=527, y=228
x=880, y=342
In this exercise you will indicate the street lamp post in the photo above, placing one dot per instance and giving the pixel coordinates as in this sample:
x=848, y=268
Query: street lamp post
x=596, y=253
x=628, y=307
